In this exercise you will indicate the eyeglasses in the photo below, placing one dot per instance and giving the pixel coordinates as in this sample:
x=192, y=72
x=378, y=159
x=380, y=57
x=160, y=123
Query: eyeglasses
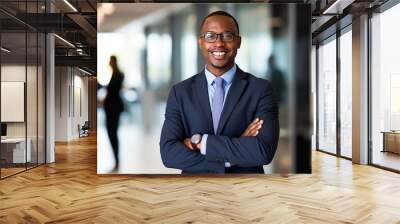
x=211, y=37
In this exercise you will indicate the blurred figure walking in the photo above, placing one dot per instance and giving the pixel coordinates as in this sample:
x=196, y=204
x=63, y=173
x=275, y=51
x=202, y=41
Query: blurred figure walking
x=113, y=107
x=278, y=80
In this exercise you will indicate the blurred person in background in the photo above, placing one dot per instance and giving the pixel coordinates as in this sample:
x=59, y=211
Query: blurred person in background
x=113, y=106
x=277, y=79
x=222, y=120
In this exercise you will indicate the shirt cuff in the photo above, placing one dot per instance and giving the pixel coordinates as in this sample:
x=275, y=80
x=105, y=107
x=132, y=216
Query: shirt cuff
x=203, y=145
x=227, y=164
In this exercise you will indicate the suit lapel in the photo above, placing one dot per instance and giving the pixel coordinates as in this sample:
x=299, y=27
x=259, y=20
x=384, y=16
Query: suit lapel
x=235, y=91
x=201, y=91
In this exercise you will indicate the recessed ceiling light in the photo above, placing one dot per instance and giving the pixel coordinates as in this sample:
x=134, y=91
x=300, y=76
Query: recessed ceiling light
x=337, y=7
x=5, y=50
x=64, y=40
x=84, y=71
x=70, y=5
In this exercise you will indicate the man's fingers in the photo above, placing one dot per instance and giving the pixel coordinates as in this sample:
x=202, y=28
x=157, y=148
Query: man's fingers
x=256, y=126
x=255, y=121
x=253, y=133
x=253, y=128
x=187, y=143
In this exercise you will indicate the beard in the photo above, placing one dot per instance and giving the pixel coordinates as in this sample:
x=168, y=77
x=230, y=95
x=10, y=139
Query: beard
x=220, y=66
x=223, y=64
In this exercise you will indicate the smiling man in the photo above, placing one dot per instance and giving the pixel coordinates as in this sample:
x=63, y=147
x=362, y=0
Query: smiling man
x=222, y=120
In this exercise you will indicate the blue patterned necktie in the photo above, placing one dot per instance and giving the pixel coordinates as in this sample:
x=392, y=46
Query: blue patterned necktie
x=218, y=102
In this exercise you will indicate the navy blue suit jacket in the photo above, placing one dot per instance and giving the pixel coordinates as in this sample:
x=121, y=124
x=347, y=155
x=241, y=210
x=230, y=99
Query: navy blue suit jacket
x=188, y=112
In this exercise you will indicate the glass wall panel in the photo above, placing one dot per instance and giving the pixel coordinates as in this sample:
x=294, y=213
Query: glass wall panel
x=22, y=89
x=327, y=96
x=41, y=98
x=346, y=94
x=31, y=97
x=13, y=92
x=385, y=88
x=31, y=88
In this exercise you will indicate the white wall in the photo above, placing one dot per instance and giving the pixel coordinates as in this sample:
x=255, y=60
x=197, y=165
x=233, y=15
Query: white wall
x=71, y=102
x=61, y=103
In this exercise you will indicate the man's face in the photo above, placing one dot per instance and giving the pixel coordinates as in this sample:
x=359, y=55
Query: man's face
x=219, y=55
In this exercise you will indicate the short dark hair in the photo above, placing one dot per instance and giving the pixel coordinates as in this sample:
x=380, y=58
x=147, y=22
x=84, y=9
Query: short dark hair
x=220, y=13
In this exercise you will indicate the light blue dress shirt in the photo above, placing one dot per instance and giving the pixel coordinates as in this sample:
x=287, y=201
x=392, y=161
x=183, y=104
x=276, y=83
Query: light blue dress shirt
x=228, y=77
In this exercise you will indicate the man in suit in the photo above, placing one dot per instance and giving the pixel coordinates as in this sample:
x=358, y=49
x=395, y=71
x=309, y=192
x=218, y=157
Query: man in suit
x=222, y=120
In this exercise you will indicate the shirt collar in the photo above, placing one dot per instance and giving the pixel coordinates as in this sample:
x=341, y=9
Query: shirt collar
x=227, y=76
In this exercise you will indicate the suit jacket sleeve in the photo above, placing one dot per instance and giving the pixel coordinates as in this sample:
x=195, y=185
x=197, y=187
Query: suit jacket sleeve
x=174, y=153
x=250, y=151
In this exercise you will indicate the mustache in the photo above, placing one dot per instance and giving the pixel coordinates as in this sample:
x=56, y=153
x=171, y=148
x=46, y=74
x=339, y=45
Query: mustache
x=218, y=49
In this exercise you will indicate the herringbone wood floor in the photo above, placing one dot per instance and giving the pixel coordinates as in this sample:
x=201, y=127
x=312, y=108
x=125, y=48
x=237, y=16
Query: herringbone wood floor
x=70, y=191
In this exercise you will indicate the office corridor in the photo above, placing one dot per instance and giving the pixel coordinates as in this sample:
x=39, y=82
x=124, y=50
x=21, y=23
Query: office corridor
x=70, y=191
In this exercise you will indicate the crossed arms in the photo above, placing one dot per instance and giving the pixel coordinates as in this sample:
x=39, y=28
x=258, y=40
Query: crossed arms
x=255, y=147
x=251, y=130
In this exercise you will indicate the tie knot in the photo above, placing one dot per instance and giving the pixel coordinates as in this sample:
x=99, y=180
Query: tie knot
x=219, y=81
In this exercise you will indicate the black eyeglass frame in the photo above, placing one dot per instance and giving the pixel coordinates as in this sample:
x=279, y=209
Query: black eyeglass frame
x=219, y=35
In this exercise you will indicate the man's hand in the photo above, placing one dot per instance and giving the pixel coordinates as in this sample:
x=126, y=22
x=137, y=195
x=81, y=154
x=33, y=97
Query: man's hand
x=253, y=128
x=188, y=144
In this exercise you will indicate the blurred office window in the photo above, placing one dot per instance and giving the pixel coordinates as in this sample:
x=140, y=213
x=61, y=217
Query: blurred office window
x=346, y=93
x=385, y=87
x=256, y=39
x=128, y=48
x=131, y=63
x=189, y=46
x=327, y=95
x=159, y=54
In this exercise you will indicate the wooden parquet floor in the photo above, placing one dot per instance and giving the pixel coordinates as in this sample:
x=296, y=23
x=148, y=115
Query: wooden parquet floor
x=70, y=191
